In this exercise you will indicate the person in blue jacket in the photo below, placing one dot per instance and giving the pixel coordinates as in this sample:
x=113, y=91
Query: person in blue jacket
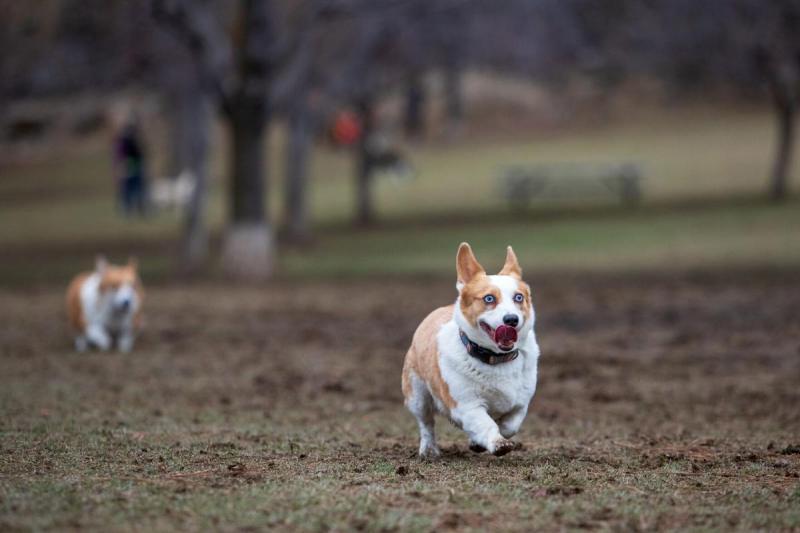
x=129, y=159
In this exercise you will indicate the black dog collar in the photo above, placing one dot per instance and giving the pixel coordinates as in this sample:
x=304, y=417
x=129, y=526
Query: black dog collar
x=486, y=355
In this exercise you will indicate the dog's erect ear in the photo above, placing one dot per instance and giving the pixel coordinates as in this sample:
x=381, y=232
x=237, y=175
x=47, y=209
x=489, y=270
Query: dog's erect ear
x=467, y=267
x=133, y=262
x=100, y=264
x=511, y=268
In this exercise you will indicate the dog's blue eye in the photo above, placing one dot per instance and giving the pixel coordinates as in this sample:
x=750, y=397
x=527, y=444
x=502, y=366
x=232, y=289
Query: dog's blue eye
x=489, y=299
x=519, y=298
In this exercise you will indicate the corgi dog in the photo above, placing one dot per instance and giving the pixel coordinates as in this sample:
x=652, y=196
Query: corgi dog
x=104, y=306
x=475, y=361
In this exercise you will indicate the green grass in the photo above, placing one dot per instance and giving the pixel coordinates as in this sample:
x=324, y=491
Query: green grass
x=704, y=237
x=704, y=177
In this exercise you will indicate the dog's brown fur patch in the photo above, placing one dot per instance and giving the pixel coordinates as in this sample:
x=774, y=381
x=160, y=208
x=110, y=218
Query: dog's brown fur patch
x=423, y=357
x=467, y=266
x=74, y=307
x=472, y=304
x=525, y=306
x=511, y=266
x=114, y=277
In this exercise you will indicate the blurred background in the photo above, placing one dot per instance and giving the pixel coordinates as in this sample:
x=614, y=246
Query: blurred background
x=295, y=177
x=343, y=138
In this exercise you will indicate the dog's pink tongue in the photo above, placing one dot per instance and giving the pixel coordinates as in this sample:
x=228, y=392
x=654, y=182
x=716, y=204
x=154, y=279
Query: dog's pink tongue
x=505, y=336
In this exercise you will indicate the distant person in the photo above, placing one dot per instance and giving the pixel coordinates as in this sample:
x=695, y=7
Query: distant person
x=129, y=163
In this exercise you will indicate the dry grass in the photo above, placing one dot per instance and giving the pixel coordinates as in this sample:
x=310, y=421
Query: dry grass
x=665, y=402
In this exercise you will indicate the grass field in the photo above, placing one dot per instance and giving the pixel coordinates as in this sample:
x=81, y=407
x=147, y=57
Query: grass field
x=704, y=180
x=668, y=394
x=664, y=403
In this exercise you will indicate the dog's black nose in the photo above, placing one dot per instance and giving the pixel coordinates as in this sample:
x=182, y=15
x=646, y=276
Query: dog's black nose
x=125, y=304
x=511, y=320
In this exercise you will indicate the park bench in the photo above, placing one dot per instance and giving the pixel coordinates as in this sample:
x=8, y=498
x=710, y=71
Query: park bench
x=521, y=184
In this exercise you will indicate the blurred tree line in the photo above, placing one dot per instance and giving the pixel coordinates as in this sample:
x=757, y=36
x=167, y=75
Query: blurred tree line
x=250, y=62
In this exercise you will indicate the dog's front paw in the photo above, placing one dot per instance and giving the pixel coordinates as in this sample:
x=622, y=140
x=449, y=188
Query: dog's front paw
x=475, y=447
x=429, y=453
x=502, y=447
x=126, y=344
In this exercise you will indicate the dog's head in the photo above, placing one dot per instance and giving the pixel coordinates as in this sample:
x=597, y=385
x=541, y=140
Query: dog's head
x=120, y=284
x=494, y=311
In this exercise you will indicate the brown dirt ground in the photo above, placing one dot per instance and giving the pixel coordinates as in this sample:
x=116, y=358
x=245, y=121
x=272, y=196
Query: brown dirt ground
x=667, y=402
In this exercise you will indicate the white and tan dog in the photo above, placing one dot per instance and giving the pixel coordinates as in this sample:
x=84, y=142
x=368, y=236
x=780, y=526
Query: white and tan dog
x=104, y=306
x=475, y=362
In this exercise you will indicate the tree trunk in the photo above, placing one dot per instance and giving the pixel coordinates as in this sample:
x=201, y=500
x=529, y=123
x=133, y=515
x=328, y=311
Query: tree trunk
x=248, y=248
x=197, y=124
x=453, y=95
x=297, y=158
x=247, y=173
x=178, y=131
x=785, y=110
x=364, y=205
x=414, y=122
x=247, y=251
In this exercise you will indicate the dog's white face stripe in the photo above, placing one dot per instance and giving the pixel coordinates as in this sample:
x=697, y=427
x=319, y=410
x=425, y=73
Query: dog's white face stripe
x=125, y=293
x=509, y=287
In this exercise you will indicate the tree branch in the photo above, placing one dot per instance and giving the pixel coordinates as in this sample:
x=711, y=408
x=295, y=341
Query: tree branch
x=196, y=27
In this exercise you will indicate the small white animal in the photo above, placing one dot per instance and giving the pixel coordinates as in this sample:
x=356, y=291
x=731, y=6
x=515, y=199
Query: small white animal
x=104, y=306
x=475, y=362
x=174, y=193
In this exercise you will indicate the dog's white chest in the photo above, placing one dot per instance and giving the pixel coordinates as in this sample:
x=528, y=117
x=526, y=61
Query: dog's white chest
x=501, y=388
x=511, y=390
x=96, y=306
x=98, y=309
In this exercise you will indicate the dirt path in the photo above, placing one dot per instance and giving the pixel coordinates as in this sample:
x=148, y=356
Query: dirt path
x=667, y=402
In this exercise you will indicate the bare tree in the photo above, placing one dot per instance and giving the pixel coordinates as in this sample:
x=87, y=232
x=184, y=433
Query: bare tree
x=248, y=243
x=347, y=74
x=193, y=112
x=778, y=59
x=237, y=70
x=180, y=72
x=782, y=81
x=414, y=120
x=348, y=54
x=291, y=94
x=740, y=43
x=365, y=210
x=300, y=136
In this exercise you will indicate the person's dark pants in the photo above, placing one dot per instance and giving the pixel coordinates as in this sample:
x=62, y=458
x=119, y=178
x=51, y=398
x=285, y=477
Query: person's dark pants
x=134, y=195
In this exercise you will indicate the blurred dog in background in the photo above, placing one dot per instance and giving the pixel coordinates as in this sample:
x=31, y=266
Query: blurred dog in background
x=173, y=192
x=104, y=306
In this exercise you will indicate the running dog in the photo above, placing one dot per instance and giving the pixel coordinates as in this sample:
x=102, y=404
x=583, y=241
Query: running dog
x=104, y=306
x=475, y=362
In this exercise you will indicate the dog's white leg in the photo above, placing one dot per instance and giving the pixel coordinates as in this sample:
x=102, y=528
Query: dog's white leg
x=482, y=430
x=420, y=403
x=97, y=335
x=81, y=344
x=126, y=341
x=427, y=437
x=510, y=423
x=126, y=336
